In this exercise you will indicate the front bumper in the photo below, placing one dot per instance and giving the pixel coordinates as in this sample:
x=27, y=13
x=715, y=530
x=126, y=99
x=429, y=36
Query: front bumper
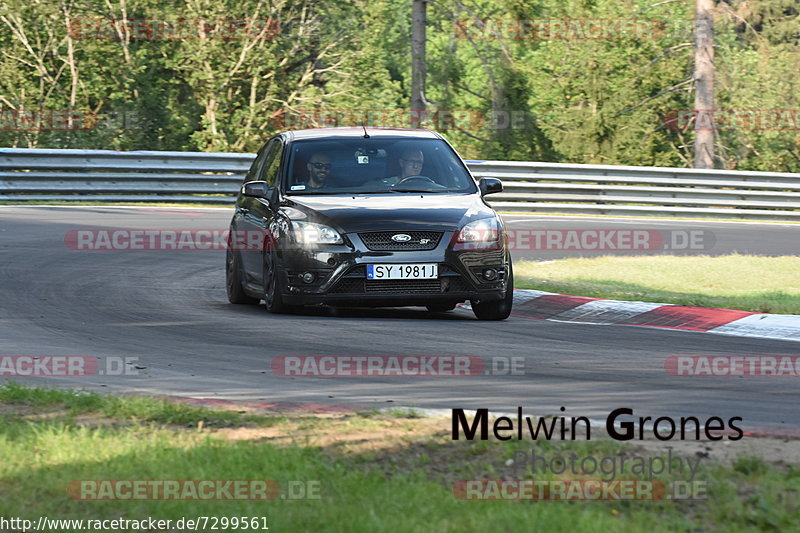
x=340, y=275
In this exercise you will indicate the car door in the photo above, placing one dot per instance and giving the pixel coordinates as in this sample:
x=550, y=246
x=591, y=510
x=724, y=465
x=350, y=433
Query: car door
x=259, y=216
x=240, y=225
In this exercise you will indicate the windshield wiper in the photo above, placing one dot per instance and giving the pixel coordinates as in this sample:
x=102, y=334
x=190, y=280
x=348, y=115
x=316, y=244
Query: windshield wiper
x=418, y=190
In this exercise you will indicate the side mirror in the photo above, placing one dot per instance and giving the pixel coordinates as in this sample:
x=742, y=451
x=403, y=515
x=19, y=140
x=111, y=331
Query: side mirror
x=255, y=189
x=490, y=186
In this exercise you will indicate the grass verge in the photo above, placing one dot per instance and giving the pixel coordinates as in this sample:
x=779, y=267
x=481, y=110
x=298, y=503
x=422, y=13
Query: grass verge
x=375, y=471
x=751, y=283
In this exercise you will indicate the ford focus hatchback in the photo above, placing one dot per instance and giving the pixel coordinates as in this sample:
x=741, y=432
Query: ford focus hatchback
x=368, y=217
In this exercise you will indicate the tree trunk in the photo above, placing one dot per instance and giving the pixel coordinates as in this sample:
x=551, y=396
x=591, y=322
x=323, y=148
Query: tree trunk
x=704, y=85
x=418, y=21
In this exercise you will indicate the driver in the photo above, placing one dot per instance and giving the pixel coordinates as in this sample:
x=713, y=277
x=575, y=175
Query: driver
x=410, y=163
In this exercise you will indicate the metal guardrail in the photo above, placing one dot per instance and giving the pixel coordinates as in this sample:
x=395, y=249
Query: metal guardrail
x=214, y=178
x=109, y=176
x=639, y=191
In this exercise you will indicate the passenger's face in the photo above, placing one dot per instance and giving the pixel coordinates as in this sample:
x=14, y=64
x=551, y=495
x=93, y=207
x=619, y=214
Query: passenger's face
x=411, y=163
x=319, y=168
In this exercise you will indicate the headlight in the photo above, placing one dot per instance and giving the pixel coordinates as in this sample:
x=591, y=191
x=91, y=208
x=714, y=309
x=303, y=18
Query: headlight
x=312, y=233
x=485, y=230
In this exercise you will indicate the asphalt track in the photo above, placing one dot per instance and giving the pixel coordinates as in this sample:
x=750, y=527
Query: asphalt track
x=168, y=309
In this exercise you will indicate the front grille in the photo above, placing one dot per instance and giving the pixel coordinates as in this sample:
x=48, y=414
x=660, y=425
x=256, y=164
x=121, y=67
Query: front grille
x=349, y=286
x=443, y=285
x=454, y=284
x=420, y=240
x=411, y=286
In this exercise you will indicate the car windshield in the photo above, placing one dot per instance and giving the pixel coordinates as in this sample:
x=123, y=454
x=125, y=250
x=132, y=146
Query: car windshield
x=376, y=166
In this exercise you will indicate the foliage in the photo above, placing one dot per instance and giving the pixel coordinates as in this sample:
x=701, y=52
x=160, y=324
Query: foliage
x=495, y=90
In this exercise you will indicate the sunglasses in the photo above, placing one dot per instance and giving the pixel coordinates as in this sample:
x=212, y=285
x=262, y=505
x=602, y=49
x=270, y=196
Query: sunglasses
x=320, y=166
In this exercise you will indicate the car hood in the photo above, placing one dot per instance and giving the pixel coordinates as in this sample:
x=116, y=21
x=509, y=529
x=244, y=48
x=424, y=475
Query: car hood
x=445, y=212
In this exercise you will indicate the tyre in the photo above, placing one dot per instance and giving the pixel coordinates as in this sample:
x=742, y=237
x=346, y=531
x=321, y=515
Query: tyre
x=440, y=308
x=233, y=281
x=497, y=309
x=273, y=299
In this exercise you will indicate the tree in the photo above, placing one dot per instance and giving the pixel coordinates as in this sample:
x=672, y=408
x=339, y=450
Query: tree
x=704, y=84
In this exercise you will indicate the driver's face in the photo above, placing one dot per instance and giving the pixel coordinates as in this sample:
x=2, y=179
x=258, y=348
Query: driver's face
x=411, y=164
x=319, y=168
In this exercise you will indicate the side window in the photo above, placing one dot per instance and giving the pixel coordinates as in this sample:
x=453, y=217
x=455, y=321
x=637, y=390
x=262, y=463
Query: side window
x=272, y=164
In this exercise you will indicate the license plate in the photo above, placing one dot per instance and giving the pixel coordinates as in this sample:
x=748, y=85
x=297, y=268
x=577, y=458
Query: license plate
x=403, y=271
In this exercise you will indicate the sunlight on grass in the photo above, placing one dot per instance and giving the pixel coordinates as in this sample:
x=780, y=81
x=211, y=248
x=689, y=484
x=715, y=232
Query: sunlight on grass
x=750, y=283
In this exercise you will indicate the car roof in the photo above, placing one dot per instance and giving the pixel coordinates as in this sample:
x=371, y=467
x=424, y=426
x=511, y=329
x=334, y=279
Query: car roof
x=355, y=132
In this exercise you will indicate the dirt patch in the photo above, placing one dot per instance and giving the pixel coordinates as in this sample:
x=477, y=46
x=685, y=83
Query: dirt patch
x=773, y=450
x=17, y=409
x=341, y=435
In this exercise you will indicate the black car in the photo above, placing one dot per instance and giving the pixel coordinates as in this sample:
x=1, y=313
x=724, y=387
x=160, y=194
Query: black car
x=372, y=217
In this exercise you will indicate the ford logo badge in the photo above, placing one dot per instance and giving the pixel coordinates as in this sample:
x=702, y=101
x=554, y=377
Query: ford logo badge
x=401, y=237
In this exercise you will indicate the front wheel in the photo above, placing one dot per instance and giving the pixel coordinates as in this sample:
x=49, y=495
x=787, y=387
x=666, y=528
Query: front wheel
x=273, y=299
x=497, y=309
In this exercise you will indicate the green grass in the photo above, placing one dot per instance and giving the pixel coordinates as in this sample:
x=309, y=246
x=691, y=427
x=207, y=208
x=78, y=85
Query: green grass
x=132, y=408
x=750, y=283
x=405, y=486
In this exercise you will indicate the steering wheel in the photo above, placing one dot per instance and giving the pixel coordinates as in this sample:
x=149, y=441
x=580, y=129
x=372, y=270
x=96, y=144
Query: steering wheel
x=417, y=177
